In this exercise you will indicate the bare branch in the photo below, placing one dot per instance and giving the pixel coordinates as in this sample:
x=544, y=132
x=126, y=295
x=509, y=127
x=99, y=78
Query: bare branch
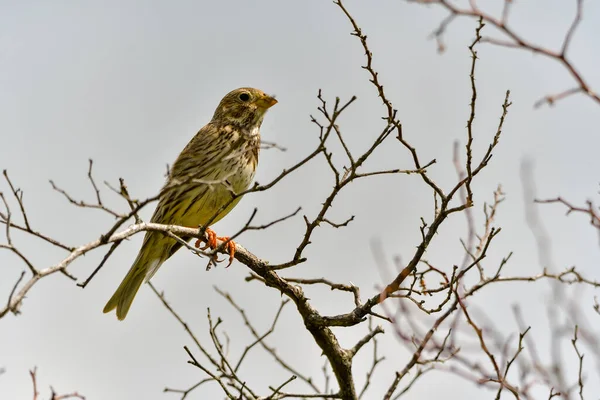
x=352, y=352
x=260, y=340
x=516, y=40
x=80, y=203
x=580, y=357
x=54, y=395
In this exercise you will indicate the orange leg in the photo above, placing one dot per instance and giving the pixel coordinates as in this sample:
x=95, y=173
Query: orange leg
x=211, y=242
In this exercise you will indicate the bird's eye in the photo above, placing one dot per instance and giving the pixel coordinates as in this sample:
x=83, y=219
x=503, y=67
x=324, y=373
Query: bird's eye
x=244, y=96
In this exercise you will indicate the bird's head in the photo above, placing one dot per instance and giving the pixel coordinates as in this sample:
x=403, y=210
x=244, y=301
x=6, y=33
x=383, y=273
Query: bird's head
x=244, y=107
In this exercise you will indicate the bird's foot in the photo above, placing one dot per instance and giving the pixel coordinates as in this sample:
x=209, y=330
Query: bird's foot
x=211, y=243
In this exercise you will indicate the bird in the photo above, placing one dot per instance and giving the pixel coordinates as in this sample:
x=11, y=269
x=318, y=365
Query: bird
x=218, y=163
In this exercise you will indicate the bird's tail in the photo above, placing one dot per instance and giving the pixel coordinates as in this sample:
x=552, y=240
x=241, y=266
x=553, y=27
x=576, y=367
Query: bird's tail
x=144, y=266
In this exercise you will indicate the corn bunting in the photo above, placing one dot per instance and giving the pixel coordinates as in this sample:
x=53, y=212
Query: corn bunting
x=220, y=160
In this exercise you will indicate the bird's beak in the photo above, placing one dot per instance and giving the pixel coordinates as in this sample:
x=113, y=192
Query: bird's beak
x=266, y=102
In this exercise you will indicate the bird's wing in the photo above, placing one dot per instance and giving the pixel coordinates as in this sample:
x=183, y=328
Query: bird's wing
x=195, y=170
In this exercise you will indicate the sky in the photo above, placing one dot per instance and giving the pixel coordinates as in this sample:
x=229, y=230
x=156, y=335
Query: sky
x=128, y=83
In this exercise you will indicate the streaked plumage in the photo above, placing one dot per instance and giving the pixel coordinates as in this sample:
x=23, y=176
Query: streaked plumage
x=221, y=158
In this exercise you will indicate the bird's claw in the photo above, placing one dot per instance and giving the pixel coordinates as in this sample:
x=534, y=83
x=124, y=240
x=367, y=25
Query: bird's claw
x=211, y=242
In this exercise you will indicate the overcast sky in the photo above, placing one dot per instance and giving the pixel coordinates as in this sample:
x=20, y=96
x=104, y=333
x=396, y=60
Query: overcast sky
x=128, y=83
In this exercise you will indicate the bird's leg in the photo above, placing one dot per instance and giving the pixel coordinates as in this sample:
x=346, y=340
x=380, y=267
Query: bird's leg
x=211, y=242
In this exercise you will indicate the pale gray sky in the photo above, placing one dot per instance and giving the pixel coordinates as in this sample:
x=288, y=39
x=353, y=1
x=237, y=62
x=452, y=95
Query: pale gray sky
x=128, y=83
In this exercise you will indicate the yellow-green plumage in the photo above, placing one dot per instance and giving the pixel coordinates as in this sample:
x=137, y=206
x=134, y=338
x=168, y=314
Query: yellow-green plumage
x=220, y=160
